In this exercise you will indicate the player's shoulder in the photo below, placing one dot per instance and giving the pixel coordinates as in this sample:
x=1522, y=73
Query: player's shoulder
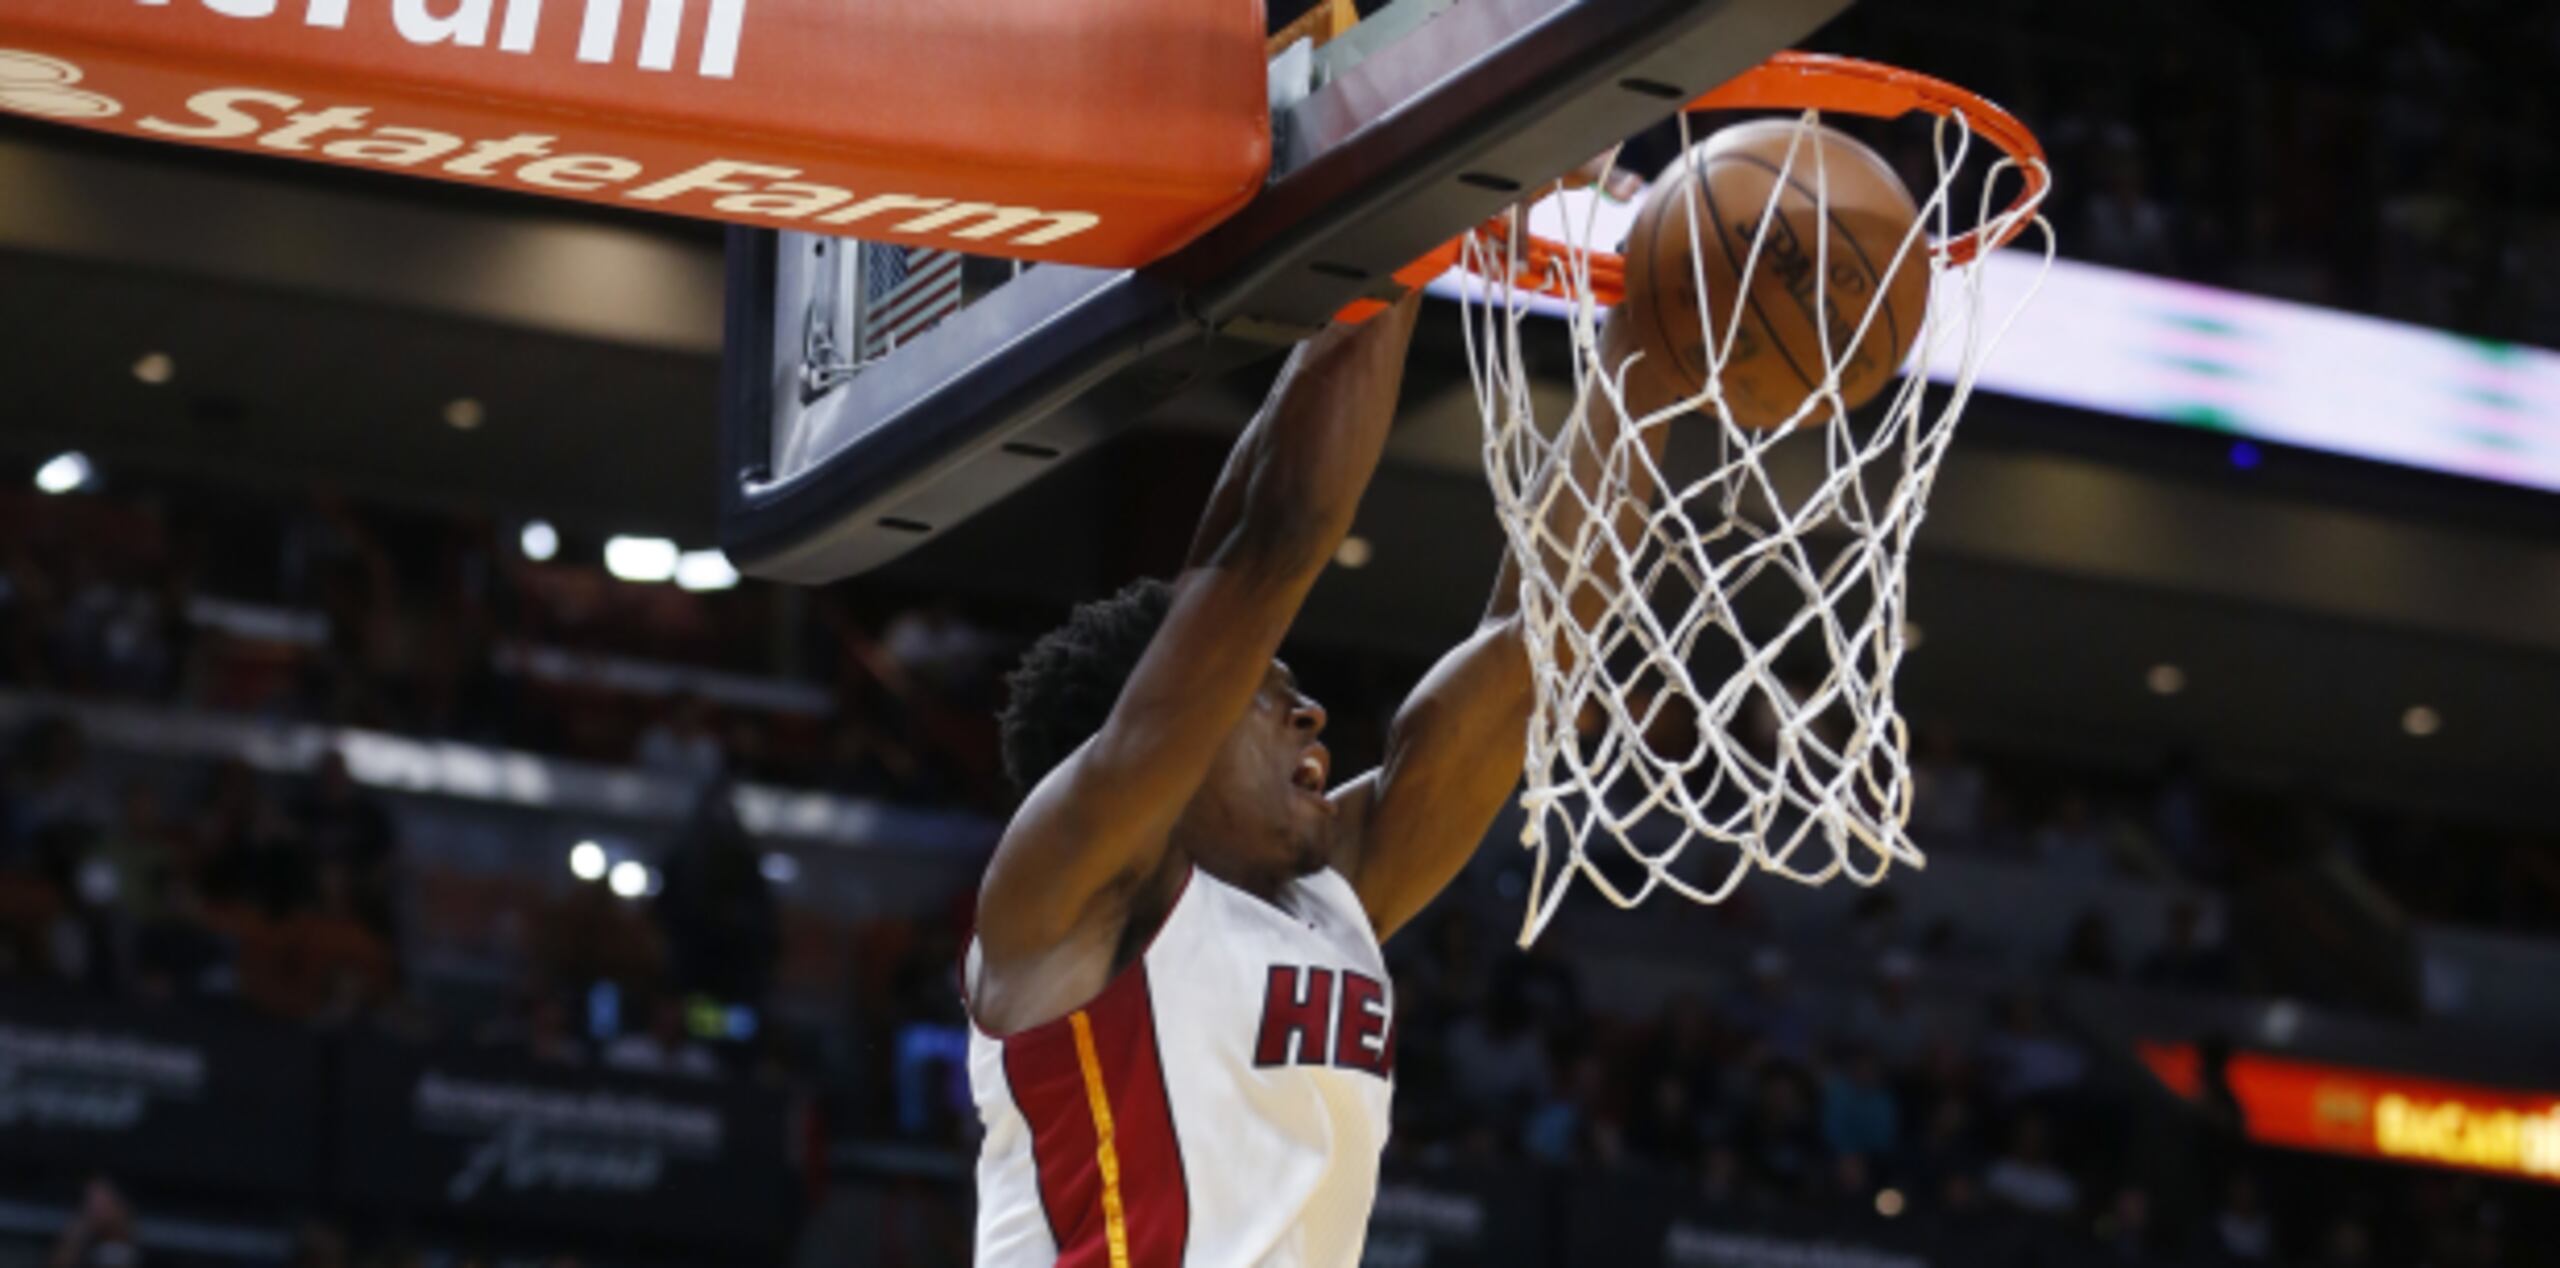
x=1332, y=888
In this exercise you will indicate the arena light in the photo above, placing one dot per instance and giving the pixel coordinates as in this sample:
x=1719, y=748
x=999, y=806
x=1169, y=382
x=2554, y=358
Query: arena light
x=2421, y=721
x=465, y=414
x=630, y=879
x=66, y=473
x=643, y=559
x=1888, y=1202
x=587, y=861
x=2166, y=679
x=781, y=869
x=539, y=540
x=155, y=368
x=700, y=570
x=1354, y=552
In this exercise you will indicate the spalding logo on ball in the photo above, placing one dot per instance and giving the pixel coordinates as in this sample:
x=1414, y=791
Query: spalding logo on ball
x=1812, y=286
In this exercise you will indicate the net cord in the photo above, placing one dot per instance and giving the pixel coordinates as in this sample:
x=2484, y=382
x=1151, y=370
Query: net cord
x=1852, y=791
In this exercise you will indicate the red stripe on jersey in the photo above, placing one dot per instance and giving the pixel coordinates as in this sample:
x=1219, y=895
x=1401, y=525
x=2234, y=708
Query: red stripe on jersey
x=1047, y=1078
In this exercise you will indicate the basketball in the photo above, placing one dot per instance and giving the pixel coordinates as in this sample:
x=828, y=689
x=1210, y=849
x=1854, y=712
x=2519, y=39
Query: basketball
x=1777, y=358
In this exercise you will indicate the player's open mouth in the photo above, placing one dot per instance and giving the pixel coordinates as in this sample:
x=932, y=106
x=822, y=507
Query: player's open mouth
x=1313, y=765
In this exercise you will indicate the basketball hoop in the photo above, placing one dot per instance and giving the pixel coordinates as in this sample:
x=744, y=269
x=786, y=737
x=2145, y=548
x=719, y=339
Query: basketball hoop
x=1730, y=708
x=1787, y=81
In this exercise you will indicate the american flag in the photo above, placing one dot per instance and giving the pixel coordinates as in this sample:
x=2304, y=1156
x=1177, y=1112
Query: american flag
x=905, y=290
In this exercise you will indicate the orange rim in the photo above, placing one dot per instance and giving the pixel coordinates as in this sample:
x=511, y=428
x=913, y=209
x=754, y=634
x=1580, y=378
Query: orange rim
x=1787, y=81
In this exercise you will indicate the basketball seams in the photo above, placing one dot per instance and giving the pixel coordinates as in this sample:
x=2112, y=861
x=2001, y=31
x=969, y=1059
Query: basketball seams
x=1661, y=323
x=1707, y=190
x=1883, y=287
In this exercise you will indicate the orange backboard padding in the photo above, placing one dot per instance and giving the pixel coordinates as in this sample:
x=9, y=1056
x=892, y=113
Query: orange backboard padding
x=1102, y=132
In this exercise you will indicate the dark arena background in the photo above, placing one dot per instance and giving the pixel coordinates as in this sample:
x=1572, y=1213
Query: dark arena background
x=420, y=849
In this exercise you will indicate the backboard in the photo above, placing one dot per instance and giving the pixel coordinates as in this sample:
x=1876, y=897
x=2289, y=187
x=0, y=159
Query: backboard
x=855, y=431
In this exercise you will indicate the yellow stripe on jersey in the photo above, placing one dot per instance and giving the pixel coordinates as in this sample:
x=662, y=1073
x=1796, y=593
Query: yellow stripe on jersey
x=1115, y=1221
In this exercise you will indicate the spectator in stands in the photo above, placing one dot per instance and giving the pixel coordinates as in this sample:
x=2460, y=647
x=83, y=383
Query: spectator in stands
x=53, y=800
x=544, y=1032
x=50, y=816
x=591, y=935
x=1875, y=921
x=1497, y=1058
x=100, y=1234
x=2123, y=225
x=684, y=744
x=1781, y=1141
x=403, y=1016
x=1668, y=1129
x=112, y=881
x=344, y=826
x=2242, y=1227
x=250, y=859
x=2186, y=960
x=1560, y=1128
x=1766, y=1007
x=1453, y=969
x=1888, y=1020
x=2071, y=841
x=23, y=593
x=2178, y=819
x=125, y=637
x=2349, y=1244
x=318, y=1245
x=2090, y=949
x=176, y=953
x=1552, y=990
x=2027, y=1177
x=1859, y=1115
x=2027, y=1059
x=716, y=908
x=940, y=650
x=868, y=761
x=664, y=1047
x=1720, y=1179
x=334, y=965
x=1946, y=795
x=2125, y=1231
x=929, y=1039
x=138, y=852
x=1946, y=1149
x=1682, y=1046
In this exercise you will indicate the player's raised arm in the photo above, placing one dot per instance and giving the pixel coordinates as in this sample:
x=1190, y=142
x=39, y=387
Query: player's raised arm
x=1455, y=749
x=1090, y=841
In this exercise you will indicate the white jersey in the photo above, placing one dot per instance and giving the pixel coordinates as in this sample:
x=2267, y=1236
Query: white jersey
x=1221, y=1104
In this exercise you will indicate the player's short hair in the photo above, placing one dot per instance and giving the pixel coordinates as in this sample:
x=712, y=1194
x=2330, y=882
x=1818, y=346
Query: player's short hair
x=1068, y=682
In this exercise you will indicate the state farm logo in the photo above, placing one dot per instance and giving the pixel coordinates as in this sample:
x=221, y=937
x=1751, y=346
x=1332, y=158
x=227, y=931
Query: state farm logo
x=32, y=83
x=516, y=27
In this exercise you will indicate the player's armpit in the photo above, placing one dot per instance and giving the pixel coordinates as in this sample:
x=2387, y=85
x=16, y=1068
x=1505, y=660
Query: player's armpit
x=1453, y=757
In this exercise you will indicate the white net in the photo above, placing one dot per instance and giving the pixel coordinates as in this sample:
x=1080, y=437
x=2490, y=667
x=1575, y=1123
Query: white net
x=1721, y=701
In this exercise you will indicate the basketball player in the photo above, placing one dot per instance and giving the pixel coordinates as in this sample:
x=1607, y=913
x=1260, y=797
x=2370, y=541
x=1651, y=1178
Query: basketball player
x=1185, y=1034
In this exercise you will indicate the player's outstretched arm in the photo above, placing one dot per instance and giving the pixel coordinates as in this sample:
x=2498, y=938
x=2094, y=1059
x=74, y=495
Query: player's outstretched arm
x=1455, y=749
x=1094, y=832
